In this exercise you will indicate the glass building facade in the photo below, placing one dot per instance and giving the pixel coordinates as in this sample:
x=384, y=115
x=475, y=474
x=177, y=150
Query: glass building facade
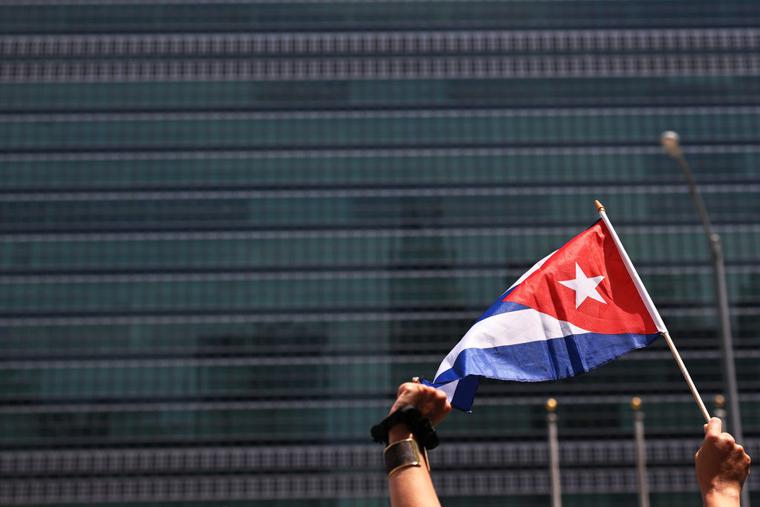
x=229, y=229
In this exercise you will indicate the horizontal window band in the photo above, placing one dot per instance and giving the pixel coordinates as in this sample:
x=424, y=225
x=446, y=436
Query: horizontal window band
x=353, y=485
x=495, y=273
x=500, y=402
x=363, y=233
x=379, y=193
x=378, y=43
x=373, y=153
x=302, y=69
x=140, y=15
x=266, y=458
x=444, y=114
x=293, y=360
x=239, y=96
x=246, y=317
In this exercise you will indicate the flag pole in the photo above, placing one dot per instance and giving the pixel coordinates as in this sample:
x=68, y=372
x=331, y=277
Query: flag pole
x=720, y=411
x=641, y=451
x=553, y=441
x=653, y=311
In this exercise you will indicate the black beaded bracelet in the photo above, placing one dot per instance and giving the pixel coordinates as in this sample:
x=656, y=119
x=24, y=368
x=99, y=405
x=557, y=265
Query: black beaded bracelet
x=420, y=427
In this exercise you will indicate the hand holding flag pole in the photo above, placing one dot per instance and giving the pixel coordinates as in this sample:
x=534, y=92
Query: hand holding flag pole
x=653, y=311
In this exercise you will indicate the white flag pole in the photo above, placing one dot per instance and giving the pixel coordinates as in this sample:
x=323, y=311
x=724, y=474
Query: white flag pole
x=553, y=441
x=641, y=451
x=653, y=311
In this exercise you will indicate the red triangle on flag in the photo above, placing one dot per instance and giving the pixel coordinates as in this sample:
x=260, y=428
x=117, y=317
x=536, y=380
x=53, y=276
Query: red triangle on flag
x=586, y=283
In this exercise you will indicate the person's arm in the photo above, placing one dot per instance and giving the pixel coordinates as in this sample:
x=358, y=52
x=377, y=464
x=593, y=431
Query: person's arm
x=412, y=486
x=722, y=467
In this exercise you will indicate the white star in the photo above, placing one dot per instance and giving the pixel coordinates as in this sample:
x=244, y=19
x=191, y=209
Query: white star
x=584, y=286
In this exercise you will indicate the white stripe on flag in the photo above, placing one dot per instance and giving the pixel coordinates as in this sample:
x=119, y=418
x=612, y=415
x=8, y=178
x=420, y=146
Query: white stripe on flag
x=450, y=389
x=510, y=328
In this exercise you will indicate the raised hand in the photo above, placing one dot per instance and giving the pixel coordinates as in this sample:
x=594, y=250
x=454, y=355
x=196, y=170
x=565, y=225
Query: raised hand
x=722, y=466
x=431, y=402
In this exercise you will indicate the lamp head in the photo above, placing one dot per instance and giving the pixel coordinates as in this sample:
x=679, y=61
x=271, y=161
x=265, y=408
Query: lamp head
x=670, y=143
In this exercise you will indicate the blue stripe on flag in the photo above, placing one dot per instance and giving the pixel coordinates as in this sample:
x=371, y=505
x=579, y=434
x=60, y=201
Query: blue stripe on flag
x=465, y=392
x=536, y=361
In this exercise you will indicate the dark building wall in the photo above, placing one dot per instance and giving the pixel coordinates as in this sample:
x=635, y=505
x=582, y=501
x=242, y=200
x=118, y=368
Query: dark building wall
x=228, y=230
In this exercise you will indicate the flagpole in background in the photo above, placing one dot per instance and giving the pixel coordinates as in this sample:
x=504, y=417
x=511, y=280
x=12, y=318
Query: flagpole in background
x=551, y=423
x=720, y=408
x=653, y=311
x=641, y=451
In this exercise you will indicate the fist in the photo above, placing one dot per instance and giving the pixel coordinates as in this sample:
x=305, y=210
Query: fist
x=722, y=465
x=431, y=402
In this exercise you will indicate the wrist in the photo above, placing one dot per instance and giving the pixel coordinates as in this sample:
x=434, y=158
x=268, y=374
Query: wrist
x=399, y=432
x=412, y=422
x=723, y=491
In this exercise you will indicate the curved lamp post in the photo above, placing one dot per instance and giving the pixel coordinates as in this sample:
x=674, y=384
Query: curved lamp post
x=670, y=143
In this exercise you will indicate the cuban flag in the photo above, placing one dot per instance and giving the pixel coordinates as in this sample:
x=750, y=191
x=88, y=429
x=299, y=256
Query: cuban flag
x=576, y=309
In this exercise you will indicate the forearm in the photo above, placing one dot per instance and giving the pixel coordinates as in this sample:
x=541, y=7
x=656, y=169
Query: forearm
x=410, y=486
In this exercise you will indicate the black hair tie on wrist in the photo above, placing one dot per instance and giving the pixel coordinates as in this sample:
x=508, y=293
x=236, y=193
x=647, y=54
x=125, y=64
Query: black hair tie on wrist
x=420, y=427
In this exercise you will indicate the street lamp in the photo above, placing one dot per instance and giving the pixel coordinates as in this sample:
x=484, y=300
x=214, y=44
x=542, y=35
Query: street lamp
x=670, y=142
